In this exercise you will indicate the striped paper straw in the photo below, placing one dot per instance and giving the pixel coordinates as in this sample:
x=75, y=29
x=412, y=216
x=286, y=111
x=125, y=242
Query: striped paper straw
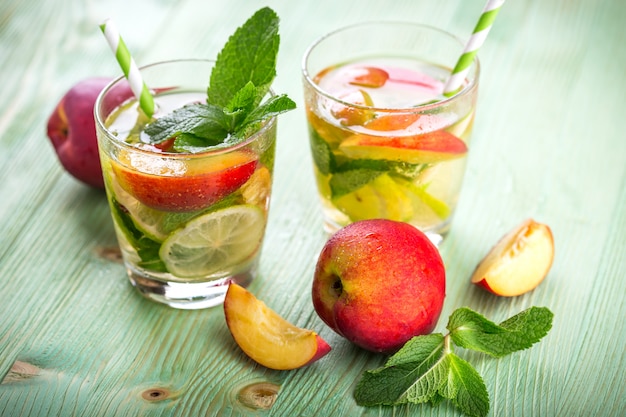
x=477, y=39
x=129, y=67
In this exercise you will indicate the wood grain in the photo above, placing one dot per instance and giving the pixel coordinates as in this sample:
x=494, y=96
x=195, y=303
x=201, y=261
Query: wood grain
x=75, y=339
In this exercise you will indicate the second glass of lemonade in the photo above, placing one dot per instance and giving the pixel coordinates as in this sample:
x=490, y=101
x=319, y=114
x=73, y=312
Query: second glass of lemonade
x=187, y=223
x=385, y=141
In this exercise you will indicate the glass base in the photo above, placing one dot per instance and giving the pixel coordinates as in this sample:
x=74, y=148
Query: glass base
x=187, y=295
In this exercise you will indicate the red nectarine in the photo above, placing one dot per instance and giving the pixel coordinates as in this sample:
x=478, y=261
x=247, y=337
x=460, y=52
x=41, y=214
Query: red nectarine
x=378, y=283
x=71, y=129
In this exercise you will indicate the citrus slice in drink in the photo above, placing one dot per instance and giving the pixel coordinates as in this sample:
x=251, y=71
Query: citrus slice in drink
x=380, y=198
x=155, y=224
x=428, y=210
x=214, y=242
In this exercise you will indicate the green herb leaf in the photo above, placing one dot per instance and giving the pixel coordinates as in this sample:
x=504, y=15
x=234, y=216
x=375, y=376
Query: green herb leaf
x=465, y=387
x=147, y=249
x=239, y=81
x=426, y=369
x=200, y=120
x=248, y=56
x=413, y=374
x=343, y=183
x=470, y=330
x=355, y=173
x=271, y=108
x=323, y=156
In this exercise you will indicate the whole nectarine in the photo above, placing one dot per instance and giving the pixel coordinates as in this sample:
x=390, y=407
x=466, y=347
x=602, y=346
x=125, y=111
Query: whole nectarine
x=71, y=129
x=378, y=283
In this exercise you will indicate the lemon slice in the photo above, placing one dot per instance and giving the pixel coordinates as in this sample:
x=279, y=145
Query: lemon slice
x=214, y=242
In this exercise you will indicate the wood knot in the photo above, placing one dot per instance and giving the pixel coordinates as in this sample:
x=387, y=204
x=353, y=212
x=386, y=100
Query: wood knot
x=260, y=395
x=155, y=394
x=113, y=254
x=20, y=371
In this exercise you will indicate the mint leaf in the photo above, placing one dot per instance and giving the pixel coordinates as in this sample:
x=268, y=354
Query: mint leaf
x=465, y=387
x=238, y=84
x=201, y=120
x=345, y=182
x=413, y=374
x=147, y=249
x=274, y=106
x=426, y=369
x=355, y=173
x=189, y=143
x=242, y=103
x=470, y=330
x=248, y=56
x=323, y=156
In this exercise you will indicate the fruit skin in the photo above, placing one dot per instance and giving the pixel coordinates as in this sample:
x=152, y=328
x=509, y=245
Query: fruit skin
x=198, y=189
x=427, y=148
x=519, y=262
x=71, y=129
x=378, y=283
x=265, y=336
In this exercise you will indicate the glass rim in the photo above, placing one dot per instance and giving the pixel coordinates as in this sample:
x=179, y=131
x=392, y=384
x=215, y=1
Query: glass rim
x=100, y=124
x=472, y=85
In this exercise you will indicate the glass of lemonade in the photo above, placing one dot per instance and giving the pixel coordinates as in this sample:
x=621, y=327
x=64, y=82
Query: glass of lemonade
x=187, y=223
x=385, y=141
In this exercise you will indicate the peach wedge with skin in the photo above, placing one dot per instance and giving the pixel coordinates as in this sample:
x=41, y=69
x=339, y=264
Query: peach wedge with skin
x=426, y=148
x=518, y=262
x=265, y=336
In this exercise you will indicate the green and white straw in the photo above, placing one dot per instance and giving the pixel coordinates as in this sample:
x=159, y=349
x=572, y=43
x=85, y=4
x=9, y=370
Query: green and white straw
x=457, y=77
x=129, y=67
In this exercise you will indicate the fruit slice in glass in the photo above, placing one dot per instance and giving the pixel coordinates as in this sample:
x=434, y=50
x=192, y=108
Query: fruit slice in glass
x=183, y=185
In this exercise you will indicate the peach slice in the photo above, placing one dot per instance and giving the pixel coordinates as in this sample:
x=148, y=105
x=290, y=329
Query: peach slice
x=427, y=148
x=518, y=262
x=265, y=336
x=372, y=77
x=350, y=115
x=183, y=185
x=392, y=121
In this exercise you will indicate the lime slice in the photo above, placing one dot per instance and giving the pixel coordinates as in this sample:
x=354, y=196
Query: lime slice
x=380, y=198
x=155, y=224
x=428, y=210
x=214, y=242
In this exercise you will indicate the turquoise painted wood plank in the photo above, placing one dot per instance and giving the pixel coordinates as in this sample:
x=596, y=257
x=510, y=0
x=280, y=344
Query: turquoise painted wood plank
x=76, y=340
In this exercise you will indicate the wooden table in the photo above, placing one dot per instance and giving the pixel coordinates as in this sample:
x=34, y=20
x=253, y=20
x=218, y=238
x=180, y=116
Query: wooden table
x=76, y=339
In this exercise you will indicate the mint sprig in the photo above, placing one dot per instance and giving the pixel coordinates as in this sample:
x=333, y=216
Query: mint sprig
x=239, y=81
x=426, y=369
